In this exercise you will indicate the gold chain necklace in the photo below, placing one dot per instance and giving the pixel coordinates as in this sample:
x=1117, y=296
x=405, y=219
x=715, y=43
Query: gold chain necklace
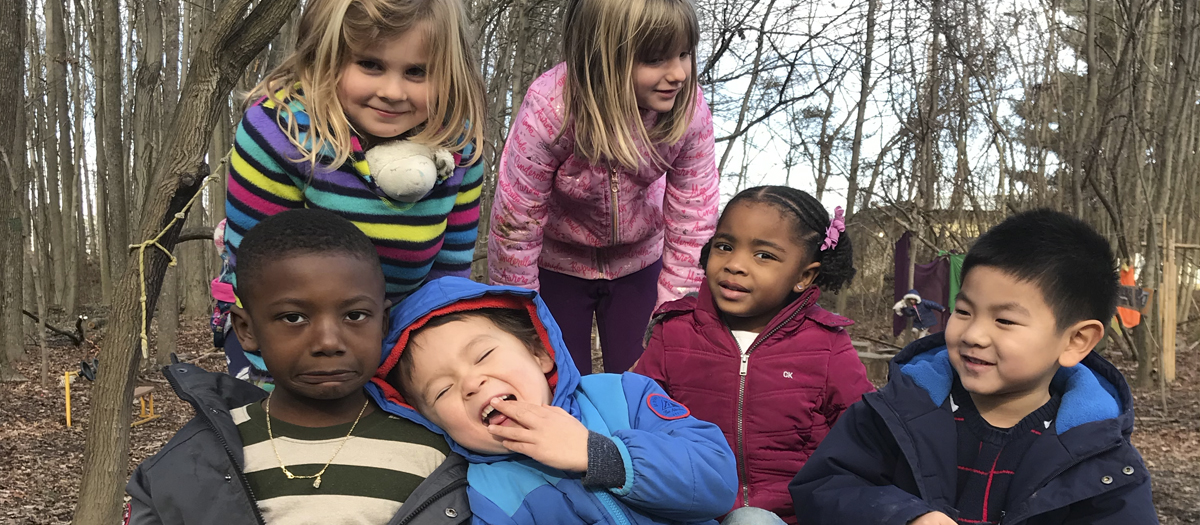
x=315, y=477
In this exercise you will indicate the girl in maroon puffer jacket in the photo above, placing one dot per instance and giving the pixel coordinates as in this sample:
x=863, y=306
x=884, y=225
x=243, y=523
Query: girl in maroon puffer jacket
x=754, y=353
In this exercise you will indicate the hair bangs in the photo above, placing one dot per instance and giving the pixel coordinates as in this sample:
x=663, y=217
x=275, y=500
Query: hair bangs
x=666, y=28
x=331, y=32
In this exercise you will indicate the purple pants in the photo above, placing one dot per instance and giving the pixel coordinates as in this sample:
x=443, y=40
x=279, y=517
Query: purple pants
x=622, y=306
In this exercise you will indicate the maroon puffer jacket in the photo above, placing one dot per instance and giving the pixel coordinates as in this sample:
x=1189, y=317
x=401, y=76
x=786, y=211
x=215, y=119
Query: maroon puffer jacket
x=797, y=378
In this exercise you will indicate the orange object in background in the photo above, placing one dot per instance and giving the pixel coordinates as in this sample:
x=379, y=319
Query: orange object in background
x=1129, y=316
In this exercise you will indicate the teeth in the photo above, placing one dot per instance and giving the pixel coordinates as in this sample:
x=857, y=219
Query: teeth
x=489, y=410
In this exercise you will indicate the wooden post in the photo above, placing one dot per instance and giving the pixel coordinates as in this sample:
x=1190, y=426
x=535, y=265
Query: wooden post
x=1167, y=303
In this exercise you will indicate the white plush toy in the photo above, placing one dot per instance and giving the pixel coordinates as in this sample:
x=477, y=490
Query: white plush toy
x=407, y=171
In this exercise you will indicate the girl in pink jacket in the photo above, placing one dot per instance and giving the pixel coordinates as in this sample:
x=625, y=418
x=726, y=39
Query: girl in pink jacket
x=754, y=353
x=607, y=188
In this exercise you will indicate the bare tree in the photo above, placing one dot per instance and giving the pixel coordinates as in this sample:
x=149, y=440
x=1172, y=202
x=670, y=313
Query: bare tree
x=236, y=35
x=12, y=160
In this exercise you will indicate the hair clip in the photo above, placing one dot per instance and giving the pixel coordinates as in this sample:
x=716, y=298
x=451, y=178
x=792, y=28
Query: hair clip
x=835, y=229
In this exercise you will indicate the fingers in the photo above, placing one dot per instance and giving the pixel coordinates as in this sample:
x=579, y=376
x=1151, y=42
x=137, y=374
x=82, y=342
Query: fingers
x=521, y=434
x=520, y=411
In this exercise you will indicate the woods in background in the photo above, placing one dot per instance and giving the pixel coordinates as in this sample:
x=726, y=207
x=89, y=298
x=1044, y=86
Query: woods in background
x=935, y=116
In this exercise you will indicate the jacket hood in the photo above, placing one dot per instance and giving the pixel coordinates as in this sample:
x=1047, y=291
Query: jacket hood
x=1093, y=390
x=455, y=294
x=912, y=294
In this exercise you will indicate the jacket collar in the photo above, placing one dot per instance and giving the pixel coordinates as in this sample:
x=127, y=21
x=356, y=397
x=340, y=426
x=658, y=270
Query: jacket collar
x=1094, y=419
x=803, y=307
x=1093, y=390
x=444, y=295
x=213, y=395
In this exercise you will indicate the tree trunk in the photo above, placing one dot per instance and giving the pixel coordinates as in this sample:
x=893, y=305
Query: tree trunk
x=57, y=143
x=99, y=184
x=864, y=93
x=222, y=54
x=117, y=219
x=168, y=318
x=12, y=147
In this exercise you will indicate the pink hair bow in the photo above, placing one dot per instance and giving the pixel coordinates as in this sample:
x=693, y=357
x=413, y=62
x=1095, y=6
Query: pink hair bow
x=836, y=227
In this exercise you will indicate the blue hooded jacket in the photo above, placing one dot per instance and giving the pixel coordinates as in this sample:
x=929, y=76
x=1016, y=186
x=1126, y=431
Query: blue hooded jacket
x=892, y=457
x=678, y=469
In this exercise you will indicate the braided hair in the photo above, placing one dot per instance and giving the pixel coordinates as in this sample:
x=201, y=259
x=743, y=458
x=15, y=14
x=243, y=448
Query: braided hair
x=809, y=222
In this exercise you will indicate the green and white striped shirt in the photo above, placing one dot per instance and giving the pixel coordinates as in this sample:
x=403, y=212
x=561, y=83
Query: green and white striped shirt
x=377, y=469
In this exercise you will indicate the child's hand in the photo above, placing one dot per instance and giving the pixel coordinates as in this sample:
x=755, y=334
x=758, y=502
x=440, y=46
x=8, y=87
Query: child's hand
x=548, y=434
x=933, y=518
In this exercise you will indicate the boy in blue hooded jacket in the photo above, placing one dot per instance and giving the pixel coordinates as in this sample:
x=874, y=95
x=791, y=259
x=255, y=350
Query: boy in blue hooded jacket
x=486, y=367
x=1008, y=416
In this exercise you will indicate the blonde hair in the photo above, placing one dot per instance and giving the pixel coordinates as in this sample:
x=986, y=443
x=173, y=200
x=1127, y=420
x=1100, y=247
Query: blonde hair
x=331, y=31
x=603, y=41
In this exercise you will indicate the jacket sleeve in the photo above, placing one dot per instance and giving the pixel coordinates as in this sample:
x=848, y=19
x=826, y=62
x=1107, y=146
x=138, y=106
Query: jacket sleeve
x=462, y=227
x=677, y=467
x=262, y=180
x=848, y=478
x=846, y=379
x=934, y=306
x=689, y=207
x=141, y=510
x=1130, y=504
x=523, y=183
x=653, y=363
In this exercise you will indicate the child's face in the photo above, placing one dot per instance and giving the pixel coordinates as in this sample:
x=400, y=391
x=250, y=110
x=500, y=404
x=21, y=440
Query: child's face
x=1002, y=338
x=319, y=321
x=657, y=83
x=911, y=301
x=755, y=264
x=461, y=366
x=385, y=90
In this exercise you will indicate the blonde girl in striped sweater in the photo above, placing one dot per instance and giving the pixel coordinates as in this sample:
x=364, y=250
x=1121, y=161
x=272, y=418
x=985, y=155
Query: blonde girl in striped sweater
x=364, y=72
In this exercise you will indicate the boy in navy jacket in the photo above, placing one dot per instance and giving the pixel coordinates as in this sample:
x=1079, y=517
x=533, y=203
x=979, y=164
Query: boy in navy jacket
x=1005, y=418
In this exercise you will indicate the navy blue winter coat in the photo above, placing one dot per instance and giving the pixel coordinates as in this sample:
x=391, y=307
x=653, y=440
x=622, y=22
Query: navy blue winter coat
x=892, y=457
x=922, y=312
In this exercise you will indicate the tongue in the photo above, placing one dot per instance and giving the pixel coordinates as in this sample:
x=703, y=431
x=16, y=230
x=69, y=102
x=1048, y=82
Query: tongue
x=495, y=418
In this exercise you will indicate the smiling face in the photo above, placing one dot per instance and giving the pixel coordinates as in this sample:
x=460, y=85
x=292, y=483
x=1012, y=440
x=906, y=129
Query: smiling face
x=318, y=319
x=1003, y=340
x=658, y=81
x=460, y=366
x=756, y=264
x=385, y=90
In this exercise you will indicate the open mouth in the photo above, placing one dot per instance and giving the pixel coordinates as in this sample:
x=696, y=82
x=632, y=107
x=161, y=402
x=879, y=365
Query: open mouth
x=974, y=361
x=489, y=412
x=733, y=286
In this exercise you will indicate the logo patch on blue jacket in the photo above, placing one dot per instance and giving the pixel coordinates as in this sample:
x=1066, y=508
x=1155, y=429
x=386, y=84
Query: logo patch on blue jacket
x=666, y=407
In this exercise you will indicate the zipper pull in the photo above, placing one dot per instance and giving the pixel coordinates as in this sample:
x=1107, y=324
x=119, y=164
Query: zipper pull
x=745, y=363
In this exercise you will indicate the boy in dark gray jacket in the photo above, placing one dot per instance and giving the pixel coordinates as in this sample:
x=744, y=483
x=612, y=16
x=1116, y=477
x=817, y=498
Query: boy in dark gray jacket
x=316, y=449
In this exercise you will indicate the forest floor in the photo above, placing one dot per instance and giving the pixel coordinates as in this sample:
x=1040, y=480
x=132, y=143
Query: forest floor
x=41, y=459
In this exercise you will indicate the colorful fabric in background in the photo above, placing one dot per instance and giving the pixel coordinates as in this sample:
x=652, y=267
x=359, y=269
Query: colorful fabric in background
x=956, y=262
x=936, y=281
x=1131, y=300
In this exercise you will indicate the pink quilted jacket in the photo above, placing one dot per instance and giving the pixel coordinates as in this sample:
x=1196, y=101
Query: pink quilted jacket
x=776, y=403
x=554, y=210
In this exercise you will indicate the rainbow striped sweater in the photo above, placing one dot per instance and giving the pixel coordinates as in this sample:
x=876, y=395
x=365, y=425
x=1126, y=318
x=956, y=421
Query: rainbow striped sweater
x=431, y=238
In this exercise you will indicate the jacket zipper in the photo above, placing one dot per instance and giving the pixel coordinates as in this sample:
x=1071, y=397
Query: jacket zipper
x=613, y=185
x=228, y=451
x=610, y=504
x=436, y=496
x=742, y=369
